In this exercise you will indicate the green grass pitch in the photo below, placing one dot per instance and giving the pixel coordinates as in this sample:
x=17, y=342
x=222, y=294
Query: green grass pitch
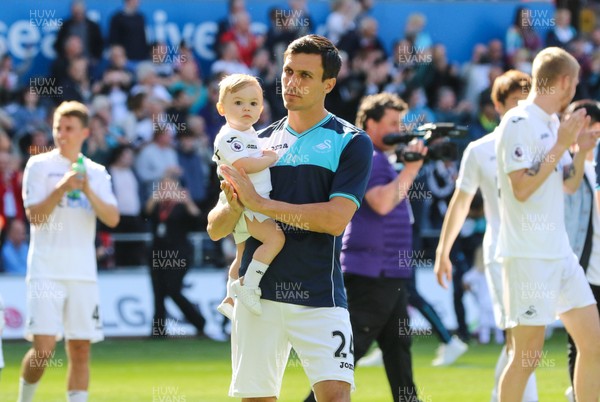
x=191, y=370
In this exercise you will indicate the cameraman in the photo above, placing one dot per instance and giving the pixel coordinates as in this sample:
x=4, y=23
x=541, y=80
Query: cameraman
x=377, y=246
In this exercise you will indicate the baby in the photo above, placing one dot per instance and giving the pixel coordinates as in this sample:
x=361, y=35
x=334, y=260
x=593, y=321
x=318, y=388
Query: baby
x=241, y=102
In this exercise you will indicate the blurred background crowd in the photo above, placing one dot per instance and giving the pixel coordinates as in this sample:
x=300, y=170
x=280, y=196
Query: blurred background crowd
x=153, y=115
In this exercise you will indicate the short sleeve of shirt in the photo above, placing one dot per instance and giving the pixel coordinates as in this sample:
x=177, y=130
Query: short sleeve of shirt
x=230, y=147
x=378, y=176
x=468, y=174
x=104, y=188
x=518, y=150
x=33, y=184
x=351, y=178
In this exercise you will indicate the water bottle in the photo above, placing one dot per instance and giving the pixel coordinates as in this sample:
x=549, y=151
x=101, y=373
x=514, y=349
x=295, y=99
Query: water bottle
x=79, y=168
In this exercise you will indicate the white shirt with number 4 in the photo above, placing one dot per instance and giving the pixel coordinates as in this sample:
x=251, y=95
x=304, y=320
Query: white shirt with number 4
x=63, y=247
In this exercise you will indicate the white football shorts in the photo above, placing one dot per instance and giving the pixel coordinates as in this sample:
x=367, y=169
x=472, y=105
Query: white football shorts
x=537, y=291
x=57, y=305
x=260, y=346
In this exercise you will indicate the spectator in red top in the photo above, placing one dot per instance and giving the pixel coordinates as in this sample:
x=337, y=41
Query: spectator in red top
x=11, y=201
x=240, y=34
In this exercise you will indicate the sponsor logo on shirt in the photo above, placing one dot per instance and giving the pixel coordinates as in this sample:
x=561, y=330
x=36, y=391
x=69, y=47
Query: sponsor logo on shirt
x=545, y=135
x=251, y=146
x=279, y=146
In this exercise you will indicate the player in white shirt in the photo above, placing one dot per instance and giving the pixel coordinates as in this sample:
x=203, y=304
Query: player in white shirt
x=478, y=170
x=542, y=277
x=241, y=102
x=62, y=206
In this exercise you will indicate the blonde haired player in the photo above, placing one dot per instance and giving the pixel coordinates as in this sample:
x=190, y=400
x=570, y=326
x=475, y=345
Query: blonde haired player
x=241, y=102
x=534, y=168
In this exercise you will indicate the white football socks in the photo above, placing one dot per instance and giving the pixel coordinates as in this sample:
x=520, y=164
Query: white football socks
x=77, y=396
x=531, y=394
x=229, y=291
x=26, y=391
x=500, y=365
x=254, y=274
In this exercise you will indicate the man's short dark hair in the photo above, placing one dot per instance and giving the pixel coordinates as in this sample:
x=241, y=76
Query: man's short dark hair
x=374, y=107
x=592, y=109
x=316, y=44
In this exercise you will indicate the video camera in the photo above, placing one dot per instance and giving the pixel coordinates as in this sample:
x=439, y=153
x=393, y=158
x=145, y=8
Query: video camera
x=437, y=138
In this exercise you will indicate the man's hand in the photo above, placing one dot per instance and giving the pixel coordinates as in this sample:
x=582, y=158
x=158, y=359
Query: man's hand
x=443, y=269
x=587, y=140
x=243, y=187
x=271, y=154
x=417, y=146
x=72, y=181
x=231, y=196
x=569, y=128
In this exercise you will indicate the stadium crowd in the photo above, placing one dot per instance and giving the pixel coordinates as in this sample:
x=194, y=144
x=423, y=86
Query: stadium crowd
x=153, y=107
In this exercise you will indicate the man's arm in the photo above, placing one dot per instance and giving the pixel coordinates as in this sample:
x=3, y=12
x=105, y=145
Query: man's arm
x=223, y=217
x=384, y=198
x=525, y=182
x=107, y=213
x=329, y=217
x=40, y=212
x=455, y=218
x=573, y=173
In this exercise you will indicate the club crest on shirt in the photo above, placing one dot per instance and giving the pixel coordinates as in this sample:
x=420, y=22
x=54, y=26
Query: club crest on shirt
x=323, y=147
x=518, y=154
x=530, y=313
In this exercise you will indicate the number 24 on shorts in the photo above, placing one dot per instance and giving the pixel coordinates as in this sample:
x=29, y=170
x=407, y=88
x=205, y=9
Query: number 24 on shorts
x=339, y=353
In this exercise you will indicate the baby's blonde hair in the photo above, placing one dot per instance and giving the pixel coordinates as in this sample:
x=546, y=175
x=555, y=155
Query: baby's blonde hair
x=235, y=82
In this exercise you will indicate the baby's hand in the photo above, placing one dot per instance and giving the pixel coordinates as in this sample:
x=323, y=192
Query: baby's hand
x=270, y=154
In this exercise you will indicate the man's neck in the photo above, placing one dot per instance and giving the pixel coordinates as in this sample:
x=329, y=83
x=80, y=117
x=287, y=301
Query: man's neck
x=303, y=120
x=70, y=155
x=547, y=103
